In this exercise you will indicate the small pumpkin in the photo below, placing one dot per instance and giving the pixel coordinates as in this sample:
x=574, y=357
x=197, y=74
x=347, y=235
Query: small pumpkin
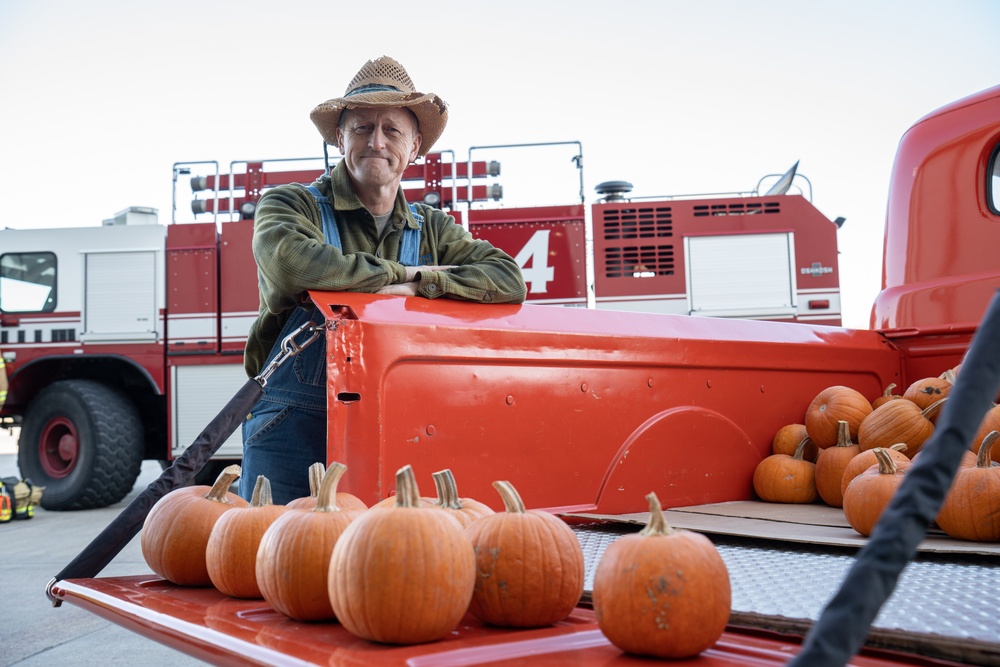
x=971, y=510
x=991, y=422
x=831, y=465
x=870, y=493
x=662, y=592
x=886, y=396
x=466, y=510
x=231, y=554
x=829, y=407
x=926, y=391
x=402, y=574
x=529, y=565
x=898, y=421
x=293, y=560
x=780, y=478
x=390, y=501
x=787, y=439
x=864, y=460
x=176, y=531
x=317, y=472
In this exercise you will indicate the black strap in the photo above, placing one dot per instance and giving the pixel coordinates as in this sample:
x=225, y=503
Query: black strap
x=843, y=625
x=126, y=525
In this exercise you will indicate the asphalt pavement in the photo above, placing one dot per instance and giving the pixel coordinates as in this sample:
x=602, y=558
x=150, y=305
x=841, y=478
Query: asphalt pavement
x=33, y=633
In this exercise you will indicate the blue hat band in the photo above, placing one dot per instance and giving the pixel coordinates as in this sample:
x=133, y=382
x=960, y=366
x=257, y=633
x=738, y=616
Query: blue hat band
x=373, y=88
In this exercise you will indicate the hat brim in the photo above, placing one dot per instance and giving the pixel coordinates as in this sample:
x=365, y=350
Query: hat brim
x=430, y=110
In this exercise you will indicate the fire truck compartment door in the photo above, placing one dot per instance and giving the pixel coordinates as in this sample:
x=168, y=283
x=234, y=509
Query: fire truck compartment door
x=198, y=394
x=741, y=275
x=119, y=295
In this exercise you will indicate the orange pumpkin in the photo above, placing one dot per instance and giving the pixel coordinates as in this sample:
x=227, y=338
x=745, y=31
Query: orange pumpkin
x=345, y=501
x=870, y=493
x=780, y=478
x=293, y=560
x=529, y=565
x=971, y=510
x=466, y=510
x=316, y=472
x=176, y=531
x=831, y=465
x=991, y=422
x=787, y=440
x=402, y=574
x=927, y=391
x=830, y=406
x=662, y=592
x=231, y=554
x=886, y=396
x=862, y=461
x=898, y=421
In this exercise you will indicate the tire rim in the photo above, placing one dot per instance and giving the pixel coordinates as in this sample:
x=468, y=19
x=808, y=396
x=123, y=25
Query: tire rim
x=59, y=447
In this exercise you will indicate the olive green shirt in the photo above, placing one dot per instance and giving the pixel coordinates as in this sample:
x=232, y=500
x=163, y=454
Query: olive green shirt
x=292, y=257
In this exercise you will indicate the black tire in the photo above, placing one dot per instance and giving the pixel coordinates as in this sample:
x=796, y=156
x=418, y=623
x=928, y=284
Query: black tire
x=83, y=441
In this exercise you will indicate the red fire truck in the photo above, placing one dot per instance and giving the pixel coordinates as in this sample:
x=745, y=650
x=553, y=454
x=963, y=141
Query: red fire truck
x=123, y=340
x=585, y=411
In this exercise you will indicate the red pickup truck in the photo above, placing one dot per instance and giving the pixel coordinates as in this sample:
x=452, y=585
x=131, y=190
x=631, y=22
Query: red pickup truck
x=587, y=411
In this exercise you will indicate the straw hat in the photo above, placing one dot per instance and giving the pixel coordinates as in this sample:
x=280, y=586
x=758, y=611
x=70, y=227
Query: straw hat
x=384, y=83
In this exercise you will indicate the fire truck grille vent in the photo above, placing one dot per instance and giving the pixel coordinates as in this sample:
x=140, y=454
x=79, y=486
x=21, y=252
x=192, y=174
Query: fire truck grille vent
x=737, y=208
x=637, y=223
x=639, y=261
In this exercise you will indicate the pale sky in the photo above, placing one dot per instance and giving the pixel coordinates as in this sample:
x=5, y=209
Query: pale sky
x=101, y=98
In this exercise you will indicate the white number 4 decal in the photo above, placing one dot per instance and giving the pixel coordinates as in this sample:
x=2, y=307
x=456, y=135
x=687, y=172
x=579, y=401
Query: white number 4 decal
x=536, y=251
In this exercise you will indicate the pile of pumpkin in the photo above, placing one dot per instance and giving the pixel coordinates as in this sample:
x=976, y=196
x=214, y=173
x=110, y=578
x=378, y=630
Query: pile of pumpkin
x=852, y=453
x=408, y=569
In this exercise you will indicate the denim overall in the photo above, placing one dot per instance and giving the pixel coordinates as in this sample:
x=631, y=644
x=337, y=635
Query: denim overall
x=285, y=432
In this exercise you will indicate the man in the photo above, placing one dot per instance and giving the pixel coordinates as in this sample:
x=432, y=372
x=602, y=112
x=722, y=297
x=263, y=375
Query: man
x=351, y=230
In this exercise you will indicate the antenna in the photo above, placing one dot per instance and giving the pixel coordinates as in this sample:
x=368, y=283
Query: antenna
x=785, y=182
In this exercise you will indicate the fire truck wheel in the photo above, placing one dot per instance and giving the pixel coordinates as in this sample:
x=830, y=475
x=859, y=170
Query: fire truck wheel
x=83, y=441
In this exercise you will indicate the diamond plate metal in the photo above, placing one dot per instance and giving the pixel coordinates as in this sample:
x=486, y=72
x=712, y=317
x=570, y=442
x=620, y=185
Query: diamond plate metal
x=955, y=597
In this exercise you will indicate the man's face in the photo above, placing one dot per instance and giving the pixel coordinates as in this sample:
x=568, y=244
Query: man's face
x=378, y=144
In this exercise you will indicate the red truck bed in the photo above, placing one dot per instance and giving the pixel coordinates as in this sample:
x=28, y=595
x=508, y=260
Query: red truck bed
x=221, y=630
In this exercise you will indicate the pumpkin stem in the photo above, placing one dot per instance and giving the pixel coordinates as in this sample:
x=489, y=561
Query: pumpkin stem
x=983, y=460
x=316, y=472
x=886, y=466
x=844, y=434
x=511, y=499
x=931, y=410
x=899, y=447
x=800, y=449
x=657, y=522
x=407, y=492
x=888, y=390
x=222, y=483
x=949, y=376
x=326, y=495
x=447, y=490
x=261, y=493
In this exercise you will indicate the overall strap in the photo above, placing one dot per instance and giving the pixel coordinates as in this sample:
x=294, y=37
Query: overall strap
x=409, y=251
x=330, y=230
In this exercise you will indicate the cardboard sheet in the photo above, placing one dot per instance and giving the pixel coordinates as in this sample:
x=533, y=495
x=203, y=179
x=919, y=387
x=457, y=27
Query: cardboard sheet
x=808, y=524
